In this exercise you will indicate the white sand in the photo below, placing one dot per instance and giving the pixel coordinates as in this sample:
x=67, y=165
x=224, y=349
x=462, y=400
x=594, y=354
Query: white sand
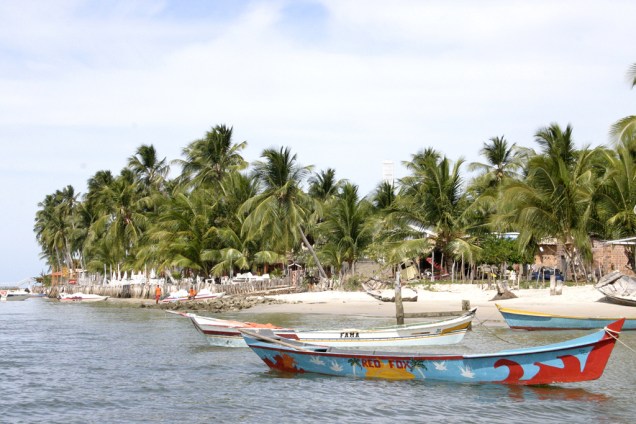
x=582, y=300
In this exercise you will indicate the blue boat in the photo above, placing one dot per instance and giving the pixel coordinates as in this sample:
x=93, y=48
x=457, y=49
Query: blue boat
x=575, y=360
x=526, y=320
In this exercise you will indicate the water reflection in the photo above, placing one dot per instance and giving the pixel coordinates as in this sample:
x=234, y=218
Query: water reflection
x=553, y=393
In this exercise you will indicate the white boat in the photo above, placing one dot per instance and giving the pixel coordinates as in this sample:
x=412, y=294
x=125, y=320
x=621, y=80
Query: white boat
x=17, y=294
x=183, y=295
x=204, y=294
x=221, y=332
x=81, y=297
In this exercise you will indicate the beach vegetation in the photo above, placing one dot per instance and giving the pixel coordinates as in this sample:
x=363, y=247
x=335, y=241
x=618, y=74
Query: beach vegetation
x=221, y=215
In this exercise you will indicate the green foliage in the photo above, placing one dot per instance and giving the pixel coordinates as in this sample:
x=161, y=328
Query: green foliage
x=497, y=250
x=213, y=217
x=351, y=283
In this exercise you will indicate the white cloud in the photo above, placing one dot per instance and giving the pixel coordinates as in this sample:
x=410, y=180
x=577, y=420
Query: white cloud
x=85, y=83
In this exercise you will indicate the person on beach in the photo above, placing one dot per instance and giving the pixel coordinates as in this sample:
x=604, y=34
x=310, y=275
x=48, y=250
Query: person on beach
x=193, y=293
x=157, y=294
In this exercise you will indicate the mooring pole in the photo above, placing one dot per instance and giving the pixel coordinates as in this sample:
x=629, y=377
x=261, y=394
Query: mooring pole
x=399, y=308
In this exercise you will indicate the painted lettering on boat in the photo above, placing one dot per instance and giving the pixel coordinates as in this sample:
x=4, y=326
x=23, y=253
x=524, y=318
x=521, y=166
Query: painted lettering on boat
x=371, y=363
x=398, y=364
x=347, y=334
x=376, y=363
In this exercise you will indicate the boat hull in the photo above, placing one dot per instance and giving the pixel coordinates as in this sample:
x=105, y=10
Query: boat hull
x=227, y=333
x=184, y=297
x=527, y=320
x=618, y=288
x=575, y=360
x=81, y=297
x=14, y=297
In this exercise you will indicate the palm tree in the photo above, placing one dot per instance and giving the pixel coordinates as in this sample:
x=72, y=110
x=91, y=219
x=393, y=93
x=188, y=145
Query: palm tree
x=183, y=235
x=282, y=209
x=122, y=219
x=625, y=128
x=146, y=166
x=616, y=196
x=346, y=224
x=555, y=198
x=502, y=162
x=56, y=228
x=324, y=185
x=209, y=159
x=384, y=196
x=433, y=198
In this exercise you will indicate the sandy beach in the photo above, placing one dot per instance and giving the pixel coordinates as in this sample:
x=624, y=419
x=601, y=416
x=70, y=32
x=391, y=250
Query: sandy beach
x=582, y=300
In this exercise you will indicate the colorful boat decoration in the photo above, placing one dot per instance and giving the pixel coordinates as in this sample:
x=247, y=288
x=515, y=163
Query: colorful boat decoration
x=574, y=360
x=527, y=320
x=227, y=333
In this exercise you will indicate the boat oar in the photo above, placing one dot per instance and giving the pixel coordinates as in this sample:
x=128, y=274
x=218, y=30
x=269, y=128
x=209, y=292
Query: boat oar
x=273, y=340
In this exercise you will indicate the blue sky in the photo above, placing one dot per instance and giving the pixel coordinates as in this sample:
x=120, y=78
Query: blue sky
x=345, y=84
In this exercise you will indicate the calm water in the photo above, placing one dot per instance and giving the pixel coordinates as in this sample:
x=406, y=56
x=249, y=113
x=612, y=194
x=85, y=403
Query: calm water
x=108, y=363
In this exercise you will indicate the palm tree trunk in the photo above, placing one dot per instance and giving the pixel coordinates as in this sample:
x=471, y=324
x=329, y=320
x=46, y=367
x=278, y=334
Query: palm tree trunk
x=313, y=254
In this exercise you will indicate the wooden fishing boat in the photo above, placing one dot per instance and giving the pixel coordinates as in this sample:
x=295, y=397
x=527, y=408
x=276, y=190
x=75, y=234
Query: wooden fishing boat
x=618, y=288
x=81, y=297
x=227, y=333
x=527, y=320
x=579, y=359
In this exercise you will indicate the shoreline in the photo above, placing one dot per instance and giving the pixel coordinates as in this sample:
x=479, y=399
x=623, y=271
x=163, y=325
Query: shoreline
x=577, y=300
x=582, y=300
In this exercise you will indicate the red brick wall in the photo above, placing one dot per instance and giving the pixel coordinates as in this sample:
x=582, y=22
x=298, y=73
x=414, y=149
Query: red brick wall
x=610, y=257
x=606, y=257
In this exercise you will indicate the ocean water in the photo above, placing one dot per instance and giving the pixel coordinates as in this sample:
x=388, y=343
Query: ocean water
x=113, y=363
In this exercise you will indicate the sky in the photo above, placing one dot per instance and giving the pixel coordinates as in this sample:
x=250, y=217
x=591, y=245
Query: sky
x=345, y=84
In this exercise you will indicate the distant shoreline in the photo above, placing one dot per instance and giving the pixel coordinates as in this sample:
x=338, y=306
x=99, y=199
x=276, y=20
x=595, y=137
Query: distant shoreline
x=582, y=300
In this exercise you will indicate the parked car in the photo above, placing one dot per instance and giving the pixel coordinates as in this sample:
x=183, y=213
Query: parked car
x=545, y=273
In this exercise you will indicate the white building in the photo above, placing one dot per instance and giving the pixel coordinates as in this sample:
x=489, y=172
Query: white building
x=387, y=172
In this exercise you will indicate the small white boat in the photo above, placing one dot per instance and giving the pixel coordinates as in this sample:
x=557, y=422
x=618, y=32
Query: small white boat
x=183, y=295
x=207, y=294
x=18, y=294
x=220, y=332
x=81, y=297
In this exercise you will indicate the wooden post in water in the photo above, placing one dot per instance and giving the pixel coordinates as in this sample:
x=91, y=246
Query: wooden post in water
x=399, y=308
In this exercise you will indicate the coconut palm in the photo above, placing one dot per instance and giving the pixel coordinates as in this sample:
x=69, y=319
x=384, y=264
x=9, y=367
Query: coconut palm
x=324, y=185
x=616, y=195
x=183, y=236
x=384, y=196
x=281, y=210
x=56, y=228
x=209, y=159
x=555, y=198
x=625, y=128
x=346, y=225
x=432, y=198
x=502, y=161
x=147, y=166
x=121, y=221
